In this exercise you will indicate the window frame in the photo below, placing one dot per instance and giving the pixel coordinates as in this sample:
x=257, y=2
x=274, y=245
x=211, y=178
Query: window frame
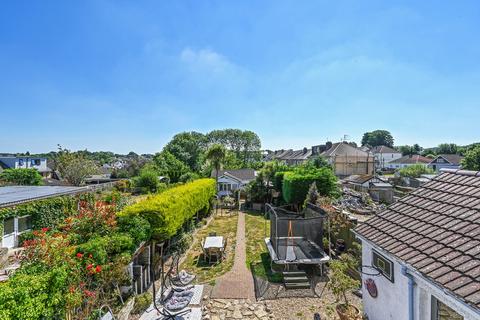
x=375, y=257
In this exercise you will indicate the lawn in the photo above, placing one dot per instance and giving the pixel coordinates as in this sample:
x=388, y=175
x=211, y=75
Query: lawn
x=258, y=258
x=225, y=226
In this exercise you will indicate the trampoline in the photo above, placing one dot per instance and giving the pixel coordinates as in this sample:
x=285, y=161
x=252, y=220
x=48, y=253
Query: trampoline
x=296, y=238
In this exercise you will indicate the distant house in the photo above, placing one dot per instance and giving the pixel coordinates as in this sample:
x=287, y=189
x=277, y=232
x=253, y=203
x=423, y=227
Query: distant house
x=446, y=161
x=13, y=162
x=425, y=248
x=384, y=154
x=231, y=180
x=295, y=157
x=407, y=161
x=348, y=160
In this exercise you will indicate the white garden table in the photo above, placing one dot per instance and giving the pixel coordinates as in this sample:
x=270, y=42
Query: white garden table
x=213, y=242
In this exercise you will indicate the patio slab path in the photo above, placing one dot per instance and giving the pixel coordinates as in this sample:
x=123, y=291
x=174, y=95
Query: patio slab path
x=238, y=282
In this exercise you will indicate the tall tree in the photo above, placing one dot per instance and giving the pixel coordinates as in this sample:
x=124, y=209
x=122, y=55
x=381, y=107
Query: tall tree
x=74, y=167
x=168, y=165
x=216, y=155
x=447, y=148
x=188, y=147
x=244, y=144
x=377, y=138
x=472, y=159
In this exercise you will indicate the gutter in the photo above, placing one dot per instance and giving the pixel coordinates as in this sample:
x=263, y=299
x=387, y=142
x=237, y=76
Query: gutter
x=411, y=284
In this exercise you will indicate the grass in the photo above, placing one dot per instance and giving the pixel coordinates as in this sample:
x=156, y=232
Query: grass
x=258, y=258
x=225, y=226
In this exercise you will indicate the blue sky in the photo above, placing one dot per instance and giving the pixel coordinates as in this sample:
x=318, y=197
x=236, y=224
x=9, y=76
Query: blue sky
x=128, y=75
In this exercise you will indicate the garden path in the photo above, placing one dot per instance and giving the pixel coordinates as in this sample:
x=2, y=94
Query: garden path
x=238, y=282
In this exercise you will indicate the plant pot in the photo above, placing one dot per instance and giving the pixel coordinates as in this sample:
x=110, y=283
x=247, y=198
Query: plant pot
x=352, y=313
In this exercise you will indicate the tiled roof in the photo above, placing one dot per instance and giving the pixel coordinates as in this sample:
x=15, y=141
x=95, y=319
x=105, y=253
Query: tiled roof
x=241, y=174
x=384, y=149
x=359, y=178
x=344, y=149
x=412, y=159
x=454, y=159
x=436, y=230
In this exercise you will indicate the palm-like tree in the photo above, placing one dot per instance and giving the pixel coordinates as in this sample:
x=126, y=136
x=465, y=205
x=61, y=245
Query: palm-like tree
x=216, y=156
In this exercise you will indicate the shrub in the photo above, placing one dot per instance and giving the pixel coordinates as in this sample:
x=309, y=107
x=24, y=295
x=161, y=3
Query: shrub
x=21, y=176
x=142, y=302
x=137, y=227
x=278, y=181
x=168, y=211
x=415, y=171
x=147, y=181
x=188, y=177
x=297, y=183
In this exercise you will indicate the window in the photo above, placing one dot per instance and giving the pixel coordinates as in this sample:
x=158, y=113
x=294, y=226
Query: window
x=8, y=226
x=20, y=162
x=382, y=264
x=24, y=223
x=440, y=311
x=35, y=162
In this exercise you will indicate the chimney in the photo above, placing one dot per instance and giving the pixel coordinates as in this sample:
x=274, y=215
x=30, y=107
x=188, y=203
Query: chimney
x=328, y=145
x=305, y=150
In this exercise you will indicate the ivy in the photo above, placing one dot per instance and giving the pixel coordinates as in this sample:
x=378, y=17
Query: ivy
x=44, y=213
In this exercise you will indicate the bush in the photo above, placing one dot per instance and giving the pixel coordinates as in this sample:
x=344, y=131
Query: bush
x=142, y=302
x=188, y=177
x=137, y=227
x=278, y=181
x=297, y=183
x=415, y=171
x=147, y=181
x=168, y=211
x=21, y=176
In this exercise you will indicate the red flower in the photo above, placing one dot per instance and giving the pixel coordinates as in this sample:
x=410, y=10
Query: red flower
x=45, y=229
x=79, y=255
x=98, y=268
x=72, y=289
x=90, y=266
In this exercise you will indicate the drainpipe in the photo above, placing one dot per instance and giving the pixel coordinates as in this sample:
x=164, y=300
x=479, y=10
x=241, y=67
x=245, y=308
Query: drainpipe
x=411, y=284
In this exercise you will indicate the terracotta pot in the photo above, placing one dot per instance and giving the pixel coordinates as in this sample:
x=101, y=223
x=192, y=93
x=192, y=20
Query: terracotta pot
x=351, y=314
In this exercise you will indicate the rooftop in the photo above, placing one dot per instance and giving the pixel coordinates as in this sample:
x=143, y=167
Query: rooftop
x=241, y=174
x=13, y=195
x=436, y=230
x=412, y=159
x=384, y=149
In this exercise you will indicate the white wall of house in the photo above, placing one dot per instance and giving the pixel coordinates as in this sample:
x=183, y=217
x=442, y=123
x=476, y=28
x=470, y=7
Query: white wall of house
x=25, y=162
x=400, y=165
x=383, y=158
x=226, y=185
x=438, y=166
x=392, y=300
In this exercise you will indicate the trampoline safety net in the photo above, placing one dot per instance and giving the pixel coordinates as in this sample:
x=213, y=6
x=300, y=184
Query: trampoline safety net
x=297, y=236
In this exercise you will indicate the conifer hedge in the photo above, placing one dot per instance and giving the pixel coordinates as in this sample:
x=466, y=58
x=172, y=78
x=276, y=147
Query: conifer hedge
x=296, y=183
x=169, y=210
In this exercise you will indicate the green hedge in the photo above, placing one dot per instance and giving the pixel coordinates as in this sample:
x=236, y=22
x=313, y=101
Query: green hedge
x=168, y=211
x=296, y=184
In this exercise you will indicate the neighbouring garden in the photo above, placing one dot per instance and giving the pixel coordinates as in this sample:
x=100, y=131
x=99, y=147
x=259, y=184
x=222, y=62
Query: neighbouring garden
x=75, y=259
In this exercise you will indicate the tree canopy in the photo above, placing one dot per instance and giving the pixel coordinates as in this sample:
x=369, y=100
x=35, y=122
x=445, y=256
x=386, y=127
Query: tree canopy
x=377, y=138
x=168, y=165
x=188, y=148
x=74, y=167
x=472, y=159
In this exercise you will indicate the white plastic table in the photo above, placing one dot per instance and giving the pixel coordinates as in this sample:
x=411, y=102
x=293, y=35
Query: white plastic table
x=213, y=242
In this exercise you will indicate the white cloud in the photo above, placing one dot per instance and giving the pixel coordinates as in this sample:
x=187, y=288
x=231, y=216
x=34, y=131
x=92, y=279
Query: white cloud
x=206, y=59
